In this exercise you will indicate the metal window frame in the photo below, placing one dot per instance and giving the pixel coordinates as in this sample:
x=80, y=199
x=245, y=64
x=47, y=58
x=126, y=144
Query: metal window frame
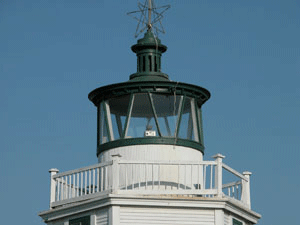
x=154, y=113
x=180, y=109
x=128, y=116
x=236, y=222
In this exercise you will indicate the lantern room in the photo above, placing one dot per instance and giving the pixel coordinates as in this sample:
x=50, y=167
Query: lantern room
x=149, y=109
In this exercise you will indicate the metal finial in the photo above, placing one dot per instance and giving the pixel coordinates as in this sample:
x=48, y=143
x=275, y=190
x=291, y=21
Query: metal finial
x=152, y=21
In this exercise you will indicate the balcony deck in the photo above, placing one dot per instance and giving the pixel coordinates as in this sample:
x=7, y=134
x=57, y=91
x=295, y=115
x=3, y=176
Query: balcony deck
x=199, y=179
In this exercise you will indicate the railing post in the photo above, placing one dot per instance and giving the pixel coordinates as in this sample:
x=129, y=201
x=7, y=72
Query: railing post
x=218, y=174
x=115, y=173
x=52, y=172
x=246, y=189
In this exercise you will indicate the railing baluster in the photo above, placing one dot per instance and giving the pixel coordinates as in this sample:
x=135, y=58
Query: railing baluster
x=81, y=183
x=58, y=189
x=98, y=179
x=85, y=182
x=106, y=178
x=204, y=177
x=185, y=176
x=73, y=186
x=145, y=176
x=90, y=181
x=94, y=183
x=178, y=186
x=126, y=183
x=191, y=176
x=158, y=176
x=211, y=176
x=198, y=183
x=67, y=187
x=102, y=180
x=132, y=176
x=152, y=176
x=139, y=176
x=62, y=189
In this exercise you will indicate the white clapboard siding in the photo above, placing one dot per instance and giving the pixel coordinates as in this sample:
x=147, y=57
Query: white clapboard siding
x=226, y=219
x=102, y=217
x=145, y=216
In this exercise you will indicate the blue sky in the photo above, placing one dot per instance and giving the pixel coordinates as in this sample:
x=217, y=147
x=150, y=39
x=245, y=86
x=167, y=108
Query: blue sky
x=54, y=52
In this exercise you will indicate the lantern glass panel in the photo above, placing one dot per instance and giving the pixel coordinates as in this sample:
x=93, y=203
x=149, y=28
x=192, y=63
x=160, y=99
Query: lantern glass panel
x=200, y=125
x=103, y=131
x=167, y=111
x=188, y=124
x=118, y=108
x=141, y=120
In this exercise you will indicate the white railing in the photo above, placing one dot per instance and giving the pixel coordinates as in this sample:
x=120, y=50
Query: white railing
x=80, y=184
x=201, y=179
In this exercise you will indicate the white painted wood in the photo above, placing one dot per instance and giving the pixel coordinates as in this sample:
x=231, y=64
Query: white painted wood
x=167, y=216
x=52, y=185
x=163, y=204
x=114, y=215
x=218, y=176
x=152, y=153
x=81, y=198
x=226, y=219
x=115, y=172
x=231, y=184
x=155, y=153
x=148, y=177
x=93, y=219
x=83, y=169
x=219, y=217
x=246, y=199
x=233, y=171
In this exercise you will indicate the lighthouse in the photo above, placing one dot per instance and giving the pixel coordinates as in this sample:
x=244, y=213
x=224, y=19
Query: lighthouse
x=150, y=151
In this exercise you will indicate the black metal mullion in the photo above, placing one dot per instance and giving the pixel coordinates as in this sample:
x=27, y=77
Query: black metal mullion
x=197, y=119
x=179, y=116
x=154, y=112
x=129, y=110
x=106, y=120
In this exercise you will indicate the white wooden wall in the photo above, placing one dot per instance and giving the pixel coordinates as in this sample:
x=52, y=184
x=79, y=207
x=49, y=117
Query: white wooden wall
x=227, y=219
x=150, y=216
x=152, y=152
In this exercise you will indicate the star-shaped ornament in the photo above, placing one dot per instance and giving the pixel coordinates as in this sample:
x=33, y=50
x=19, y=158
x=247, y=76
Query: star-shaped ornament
x=150, y=17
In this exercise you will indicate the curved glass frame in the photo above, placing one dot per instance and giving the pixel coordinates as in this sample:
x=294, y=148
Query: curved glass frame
x=149, y=115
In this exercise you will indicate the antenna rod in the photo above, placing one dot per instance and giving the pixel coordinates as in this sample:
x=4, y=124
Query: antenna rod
x=149, y=14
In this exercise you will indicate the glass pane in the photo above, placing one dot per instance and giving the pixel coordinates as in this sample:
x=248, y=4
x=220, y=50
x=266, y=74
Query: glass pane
x=188, y=123
x=167, y=108
x=141, y=122
x=200, y=125
x=118, y=110
x=103, y=133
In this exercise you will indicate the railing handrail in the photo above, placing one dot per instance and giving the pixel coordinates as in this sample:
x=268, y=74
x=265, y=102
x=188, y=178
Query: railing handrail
x=233, y=171
x=82, y=169
x=172, y=162
x=231, y=184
